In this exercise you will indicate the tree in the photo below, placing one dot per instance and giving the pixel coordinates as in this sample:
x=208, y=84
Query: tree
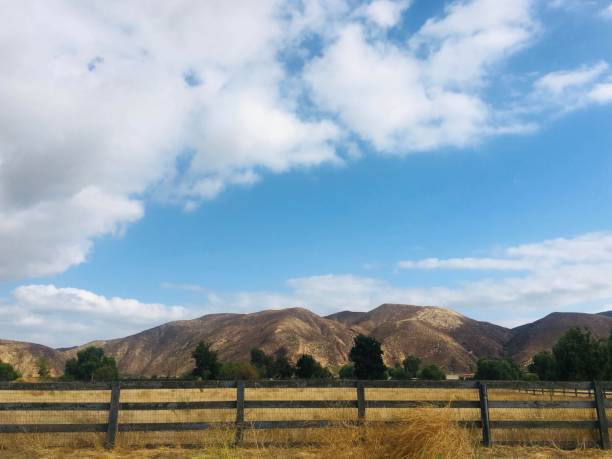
x=281, y=367
x=366, y=354
x=398, y=372
x=263, y=362
x=432, y=372
x=346, y=372
x=207, y=364
x=411, y=364
x=7, y=372
x=497, y=369
x=42, y=368
x=238, y=370
x=579, y=356
x=544, y=365
x=91, y=364
x=307, y=367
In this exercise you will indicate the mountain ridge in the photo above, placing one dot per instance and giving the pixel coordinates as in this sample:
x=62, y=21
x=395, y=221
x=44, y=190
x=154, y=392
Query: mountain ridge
x=435, y=334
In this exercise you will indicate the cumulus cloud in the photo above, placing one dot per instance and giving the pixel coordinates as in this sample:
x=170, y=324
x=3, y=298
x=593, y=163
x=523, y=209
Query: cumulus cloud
x=69, y=316
x=106, y=108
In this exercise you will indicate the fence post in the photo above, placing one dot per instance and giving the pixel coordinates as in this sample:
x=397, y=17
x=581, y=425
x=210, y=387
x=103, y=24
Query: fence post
x=239, y=411
x=113, y=415
x=602, y=420
x=484, y=414
x=361, y=407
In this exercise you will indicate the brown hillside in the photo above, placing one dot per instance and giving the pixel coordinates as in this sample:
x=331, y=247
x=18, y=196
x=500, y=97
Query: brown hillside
x=23, y=356
x=166, y=350
x=436, y=335
x=543, y=334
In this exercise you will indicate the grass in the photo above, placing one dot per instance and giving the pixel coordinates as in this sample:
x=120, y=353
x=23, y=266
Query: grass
x=425, y=432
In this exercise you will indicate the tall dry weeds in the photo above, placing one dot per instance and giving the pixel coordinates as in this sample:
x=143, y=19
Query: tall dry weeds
x=425, y=435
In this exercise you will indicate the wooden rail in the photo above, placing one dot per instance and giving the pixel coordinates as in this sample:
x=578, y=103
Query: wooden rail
x=596, y=401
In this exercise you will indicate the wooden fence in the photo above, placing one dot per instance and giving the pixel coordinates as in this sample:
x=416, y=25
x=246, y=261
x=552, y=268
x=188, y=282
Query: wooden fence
x=593, y=396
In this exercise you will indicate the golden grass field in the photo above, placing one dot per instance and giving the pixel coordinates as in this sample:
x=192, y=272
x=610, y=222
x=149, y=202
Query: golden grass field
x=426, y=432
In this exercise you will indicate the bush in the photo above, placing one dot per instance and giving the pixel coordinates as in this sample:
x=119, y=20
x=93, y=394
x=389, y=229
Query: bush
x=366, y=354
x=42, y=368
x=580, y=357
x=263, y=362
x=307, y=367
x=239, y=371
x=497, y=369
x=544, y=366
x=91, y=364
x=207, y=364
x=432, y=372
x=347, y=372
x=7, y=372
x=411, y=364
x=398, y=372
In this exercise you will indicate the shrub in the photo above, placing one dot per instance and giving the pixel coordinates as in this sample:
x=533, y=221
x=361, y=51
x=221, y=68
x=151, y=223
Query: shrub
x=411, y=364
x=366, y=354
x=432, y=372
x=544, y=366
x=346, y=372
x=307, y=367
x=207, y=364
x=7, y=372
x=497, y=369
x=398, y=372
x=238, y=370
x=579, y=356
x=91, y=364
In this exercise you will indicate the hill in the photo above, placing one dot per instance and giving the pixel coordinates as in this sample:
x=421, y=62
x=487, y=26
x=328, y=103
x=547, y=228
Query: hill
x=543, y=334
x=24, y=356
x=435, y=334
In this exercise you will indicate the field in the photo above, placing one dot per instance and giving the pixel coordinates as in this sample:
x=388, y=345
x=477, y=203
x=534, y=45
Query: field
x=424, y=432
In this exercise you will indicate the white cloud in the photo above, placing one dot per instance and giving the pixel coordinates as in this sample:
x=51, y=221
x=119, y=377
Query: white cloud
x=386, y=13
x=607, y=12
x=359, y=78
x=568, y=90
x=106, y=108
x=69, y=316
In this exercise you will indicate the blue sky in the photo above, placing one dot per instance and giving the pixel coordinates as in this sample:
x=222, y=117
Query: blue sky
x=333, y=155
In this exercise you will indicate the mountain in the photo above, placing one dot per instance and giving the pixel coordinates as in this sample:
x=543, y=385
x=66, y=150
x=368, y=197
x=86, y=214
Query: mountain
x=166, y=350
x=24, y=356
x=435, y=334
x=543, y=334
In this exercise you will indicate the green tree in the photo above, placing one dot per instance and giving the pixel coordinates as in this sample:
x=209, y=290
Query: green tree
x=366, y=354
x=411, y=364
x=307, y=367
x=544, y=365
x=346, y=372
x=7, y=372
x=239, y=371
x=42, y=368
x=580, y=357
x=91, y=364
x=398, y=372
x=432, y=372
x=497, y=369
x=207, y=364
x=263, y=362
x=281, y=367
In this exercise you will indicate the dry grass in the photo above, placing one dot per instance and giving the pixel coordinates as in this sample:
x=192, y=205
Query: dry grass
x=425, y=432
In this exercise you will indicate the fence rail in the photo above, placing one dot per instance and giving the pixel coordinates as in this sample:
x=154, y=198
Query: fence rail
x=595, y=391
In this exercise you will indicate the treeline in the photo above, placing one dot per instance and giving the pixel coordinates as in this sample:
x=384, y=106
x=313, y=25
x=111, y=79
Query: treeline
x=577, y=356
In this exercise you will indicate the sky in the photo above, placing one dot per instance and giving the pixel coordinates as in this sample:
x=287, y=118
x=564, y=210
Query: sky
x=197, y=157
